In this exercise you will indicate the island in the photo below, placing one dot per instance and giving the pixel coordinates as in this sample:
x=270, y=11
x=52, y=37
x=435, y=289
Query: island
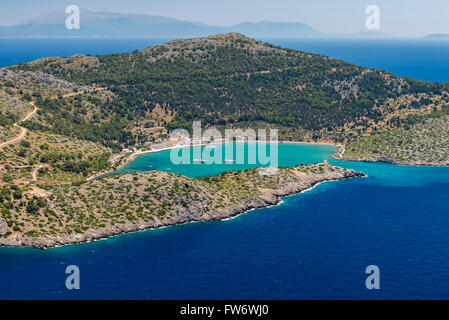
x=67, y=120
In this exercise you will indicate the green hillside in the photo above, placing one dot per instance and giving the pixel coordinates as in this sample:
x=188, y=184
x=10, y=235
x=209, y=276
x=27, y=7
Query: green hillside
x=425, y=142
x=225, y=80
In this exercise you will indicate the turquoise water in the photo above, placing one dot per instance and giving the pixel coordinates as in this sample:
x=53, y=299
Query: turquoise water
x=291, y=155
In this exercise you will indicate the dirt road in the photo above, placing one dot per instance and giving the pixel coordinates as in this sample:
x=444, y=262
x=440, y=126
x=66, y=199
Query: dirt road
x=23, y=131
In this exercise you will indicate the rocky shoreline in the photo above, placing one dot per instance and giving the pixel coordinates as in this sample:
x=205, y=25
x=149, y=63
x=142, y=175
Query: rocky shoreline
x=194, y=212
x=131, y=157
x=395, y=162
x=384, y=159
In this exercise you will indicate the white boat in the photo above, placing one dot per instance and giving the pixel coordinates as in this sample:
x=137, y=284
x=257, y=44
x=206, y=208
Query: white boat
x=198, y=161
x=229, y=161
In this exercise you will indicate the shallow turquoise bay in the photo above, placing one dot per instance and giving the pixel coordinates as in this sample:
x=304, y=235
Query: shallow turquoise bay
x=290, y=154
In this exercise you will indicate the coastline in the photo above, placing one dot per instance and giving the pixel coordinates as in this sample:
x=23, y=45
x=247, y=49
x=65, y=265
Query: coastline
x=136, y=154
x=279, y=202
x=267, y=198
x=383, y=159
x=395, y=162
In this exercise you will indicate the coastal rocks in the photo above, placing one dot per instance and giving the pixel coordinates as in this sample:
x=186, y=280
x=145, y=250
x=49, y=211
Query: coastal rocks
x=385, y=159
x=2, y=226
x=216, y=199
x=49, y=80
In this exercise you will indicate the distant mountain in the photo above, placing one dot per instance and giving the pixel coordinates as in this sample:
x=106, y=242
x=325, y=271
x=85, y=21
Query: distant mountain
x=269, y=29
x=114, y=25
x=437, y=36
x=105, y=24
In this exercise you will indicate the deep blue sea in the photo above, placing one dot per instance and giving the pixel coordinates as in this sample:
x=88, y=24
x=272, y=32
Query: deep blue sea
x=315, y=245
x=425, y=60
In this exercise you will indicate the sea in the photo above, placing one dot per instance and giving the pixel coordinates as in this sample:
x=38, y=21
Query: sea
x=314, y=245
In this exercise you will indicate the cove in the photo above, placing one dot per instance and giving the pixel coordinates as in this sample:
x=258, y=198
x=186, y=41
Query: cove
x=290, y=154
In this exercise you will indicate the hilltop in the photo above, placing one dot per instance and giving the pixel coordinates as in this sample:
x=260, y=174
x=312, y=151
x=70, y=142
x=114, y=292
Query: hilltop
x=229, y=80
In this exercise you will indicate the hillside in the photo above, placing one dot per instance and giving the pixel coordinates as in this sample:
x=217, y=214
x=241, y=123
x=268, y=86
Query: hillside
x=49, y=159
x=226, y=80
x=423, y=143
x=132, y=202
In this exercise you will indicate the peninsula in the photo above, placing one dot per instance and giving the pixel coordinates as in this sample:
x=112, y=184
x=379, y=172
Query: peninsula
x=138, y=201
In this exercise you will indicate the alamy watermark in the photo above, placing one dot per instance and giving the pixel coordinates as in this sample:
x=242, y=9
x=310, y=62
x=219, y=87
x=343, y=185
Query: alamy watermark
x=373, y=280
x=73, y=20
x=72, y=282
x=206, y=147
x=372, y=22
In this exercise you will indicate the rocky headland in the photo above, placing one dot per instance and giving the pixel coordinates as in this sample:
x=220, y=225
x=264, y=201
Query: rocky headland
x=139, y=201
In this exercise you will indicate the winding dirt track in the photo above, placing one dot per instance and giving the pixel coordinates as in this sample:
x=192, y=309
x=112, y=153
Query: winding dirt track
x=35, y=190
x=36, y=170
x=23, y=130
x=31, y=113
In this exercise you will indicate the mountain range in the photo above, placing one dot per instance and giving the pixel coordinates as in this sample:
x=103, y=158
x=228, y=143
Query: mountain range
x=107, y=24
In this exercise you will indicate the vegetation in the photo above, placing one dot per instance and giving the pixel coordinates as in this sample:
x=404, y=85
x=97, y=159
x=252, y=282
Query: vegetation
x=135, y=201
x=423, y=141
x=224, y=80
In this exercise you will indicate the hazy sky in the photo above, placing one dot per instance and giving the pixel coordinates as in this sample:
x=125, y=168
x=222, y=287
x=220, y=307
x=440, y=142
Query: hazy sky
x=399, y=17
